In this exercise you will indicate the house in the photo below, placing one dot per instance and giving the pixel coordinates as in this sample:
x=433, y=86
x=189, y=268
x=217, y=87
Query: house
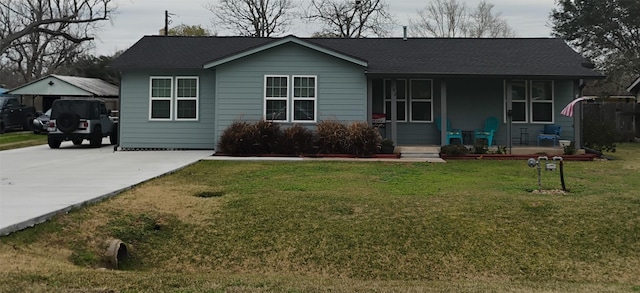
x=42, y=92
x=608, y=91
x=182, y=92
x=634, y=88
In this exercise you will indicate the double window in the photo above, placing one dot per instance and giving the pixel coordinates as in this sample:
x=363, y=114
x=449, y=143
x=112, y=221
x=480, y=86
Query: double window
x=418, y=93
x=174, y=98
x=532, y=101
x=299, y=91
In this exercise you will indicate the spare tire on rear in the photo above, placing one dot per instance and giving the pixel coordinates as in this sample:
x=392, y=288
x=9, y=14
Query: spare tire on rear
x=67, y=122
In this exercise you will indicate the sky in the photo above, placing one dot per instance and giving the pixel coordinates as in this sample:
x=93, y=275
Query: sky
x=136, y=18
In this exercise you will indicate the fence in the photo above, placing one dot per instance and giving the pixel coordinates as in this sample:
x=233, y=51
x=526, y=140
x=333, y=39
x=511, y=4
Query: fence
x=625, y=116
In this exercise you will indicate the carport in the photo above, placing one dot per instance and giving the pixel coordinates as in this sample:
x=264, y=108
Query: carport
x=42, y=92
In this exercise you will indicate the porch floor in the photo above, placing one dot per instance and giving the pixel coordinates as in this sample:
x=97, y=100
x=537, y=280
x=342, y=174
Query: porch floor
x=429, y=151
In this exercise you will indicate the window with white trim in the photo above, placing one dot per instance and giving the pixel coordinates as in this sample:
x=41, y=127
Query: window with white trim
x=420, y=94
x=174, y=98
x=276, y=97
x=161, y=98
x=186, y=98
x=532, y=101
x=401, y=99
x=304, y=98
x=542, y=101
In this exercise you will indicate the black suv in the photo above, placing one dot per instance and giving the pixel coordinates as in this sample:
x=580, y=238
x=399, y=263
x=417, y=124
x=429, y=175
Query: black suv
x=77, y=120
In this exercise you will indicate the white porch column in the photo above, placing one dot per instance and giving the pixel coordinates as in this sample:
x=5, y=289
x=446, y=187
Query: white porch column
x=394, y=111
x=443, y=112
x=509, y=107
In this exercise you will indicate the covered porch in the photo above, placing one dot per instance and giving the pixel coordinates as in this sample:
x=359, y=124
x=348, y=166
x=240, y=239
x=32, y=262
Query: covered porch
x=411, y=105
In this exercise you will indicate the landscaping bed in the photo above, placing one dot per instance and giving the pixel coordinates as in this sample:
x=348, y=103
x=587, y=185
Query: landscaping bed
x=584, y=157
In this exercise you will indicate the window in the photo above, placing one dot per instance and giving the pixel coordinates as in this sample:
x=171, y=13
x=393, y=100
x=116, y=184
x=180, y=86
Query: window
x=186, y=98
x=519, y=90
x=161, y=98
x=276, y=98
x=421, y=100
x=401, y=99
x=304, y=94
x=304, y=98
x=542, y=102
x=532, y=101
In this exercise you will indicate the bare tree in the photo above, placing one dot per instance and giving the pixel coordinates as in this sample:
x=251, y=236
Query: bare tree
x=451, y=19
x=255, y=18
x=41, y=54
x=349, y=18
x=20, y=18
x=441, y=18
x=483, y=23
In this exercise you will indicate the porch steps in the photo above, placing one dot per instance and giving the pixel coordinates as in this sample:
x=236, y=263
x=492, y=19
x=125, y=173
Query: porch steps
x=419, y=151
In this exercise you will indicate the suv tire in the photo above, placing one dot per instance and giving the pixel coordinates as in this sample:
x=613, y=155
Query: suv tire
x=53, y=143
x=96, y=137
x=68, y=122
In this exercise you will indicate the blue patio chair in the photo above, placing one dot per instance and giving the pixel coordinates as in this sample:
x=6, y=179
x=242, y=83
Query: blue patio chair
x=550, y=132
x=451, y=133
x=490, y=128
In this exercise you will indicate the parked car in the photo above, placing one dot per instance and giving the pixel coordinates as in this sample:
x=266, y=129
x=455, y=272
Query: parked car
x=41, y=123
x=14, y=115
x=77, y=120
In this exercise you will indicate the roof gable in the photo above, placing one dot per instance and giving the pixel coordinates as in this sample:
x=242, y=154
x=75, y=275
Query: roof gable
x=61, y=85
x=282, y=41
x=635, y=86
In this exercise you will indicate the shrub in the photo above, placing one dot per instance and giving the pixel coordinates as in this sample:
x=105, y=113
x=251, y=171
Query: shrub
x=296, y=140
x=480, y=146
x=363, y=139
x=267, y=136
x=500, y=150
x=330, y=137
x=600, y=135
x=454, y=150
x=570, y=149
x=386, y=147
x=238, y=139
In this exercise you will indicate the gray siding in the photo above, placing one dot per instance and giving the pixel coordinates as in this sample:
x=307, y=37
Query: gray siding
x=137, y=131
x=341, y=86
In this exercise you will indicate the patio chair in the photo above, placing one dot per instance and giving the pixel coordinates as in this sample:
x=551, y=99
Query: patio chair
x=490, y=127
x=550, y=132
x=451, y=133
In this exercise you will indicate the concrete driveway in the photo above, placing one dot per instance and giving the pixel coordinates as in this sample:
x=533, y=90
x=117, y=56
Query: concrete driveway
x=37, y=183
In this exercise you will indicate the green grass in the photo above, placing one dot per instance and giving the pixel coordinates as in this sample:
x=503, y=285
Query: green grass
x=464, y=226
x=14, y=140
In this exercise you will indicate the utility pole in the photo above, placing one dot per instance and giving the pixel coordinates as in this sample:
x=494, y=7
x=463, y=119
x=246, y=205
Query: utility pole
x=166, y=22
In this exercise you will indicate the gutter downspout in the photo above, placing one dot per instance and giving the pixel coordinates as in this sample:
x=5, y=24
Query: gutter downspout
x=394, y=111
x=443, y=113
x=509, y=107
x=117, y=146
x=577, y=113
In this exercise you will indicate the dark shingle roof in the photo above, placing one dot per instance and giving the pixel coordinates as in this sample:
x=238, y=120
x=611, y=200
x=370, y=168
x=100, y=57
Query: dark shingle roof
x=434, y=56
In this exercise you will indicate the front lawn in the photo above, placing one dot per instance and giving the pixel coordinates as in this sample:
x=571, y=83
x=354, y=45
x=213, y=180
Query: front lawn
x=14, y=140
x=348, y=227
